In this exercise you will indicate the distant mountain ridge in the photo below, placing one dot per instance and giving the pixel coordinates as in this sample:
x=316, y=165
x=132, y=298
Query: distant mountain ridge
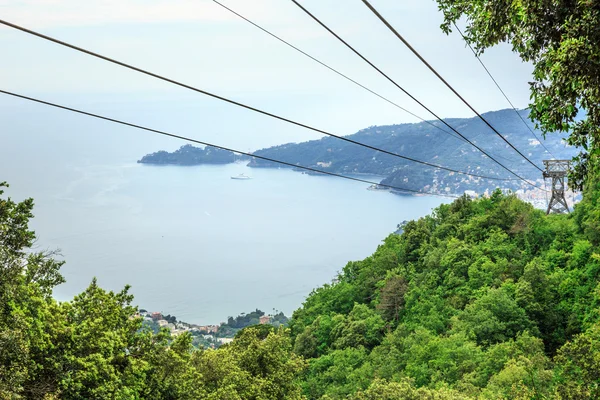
x=420, y=141
x=425, y=142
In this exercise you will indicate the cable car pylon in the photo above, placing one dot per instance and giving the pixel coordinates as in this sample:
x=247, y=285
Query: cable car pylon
x=557, y=171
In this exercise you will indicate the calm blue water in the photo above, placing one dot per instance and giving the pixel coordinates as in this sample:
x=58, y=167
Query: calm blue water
x=189, y=240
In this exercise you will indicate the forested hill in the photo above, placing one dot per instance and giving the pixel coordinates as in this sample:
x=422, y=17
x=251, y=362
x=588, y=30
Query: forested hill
x=485, y=299
x=482, y=299
x=425, y=142
x=190, y=155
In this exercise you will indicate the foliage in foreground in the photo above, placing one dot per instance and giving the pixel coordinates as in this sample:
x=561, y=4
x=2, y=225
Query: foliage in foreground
x=482, y=299
x=94, y=348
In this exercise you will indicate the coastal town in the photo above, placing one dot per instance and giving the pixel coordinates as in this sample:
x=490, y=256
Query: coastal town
x=209, y=336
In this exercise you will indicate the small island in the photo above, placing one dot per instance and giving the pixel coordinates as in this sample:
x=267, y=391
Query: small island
x=190, y=155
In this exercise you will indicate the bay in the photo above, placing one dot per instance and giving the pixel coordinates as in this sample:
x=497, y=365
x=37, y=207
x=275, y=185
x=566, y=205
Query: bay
x=190, y=241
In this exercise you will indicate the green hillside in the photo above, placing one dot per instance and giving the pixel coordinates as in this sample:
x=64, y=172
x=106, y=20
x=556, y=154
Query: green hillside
x=481, y=299
x=486, y=299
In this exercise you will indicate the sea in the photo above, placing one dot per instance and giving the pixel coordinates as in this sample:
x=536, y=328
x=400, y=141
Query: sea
x=190, y=241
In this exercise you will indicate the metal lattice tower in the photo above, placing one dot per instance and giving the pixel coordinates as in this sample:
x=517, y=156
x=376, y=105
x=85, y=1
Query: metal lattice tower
x=557, y=171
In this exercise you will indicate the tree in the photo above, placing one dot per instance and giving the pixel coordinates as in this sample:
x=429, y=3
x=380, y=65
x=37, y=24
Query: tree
x=432, y=359
x=252, y=367
x=493, y=318
x=363, y=327
x=15, y=235
x=391, y=297
x=578, y=366
x=317, y=338
x=560, y=38
x=94, y=356
x=27, y=309
x=516, y=369
x=404, y=390
x=587, y=213
x=334, y=374
x=261, y=331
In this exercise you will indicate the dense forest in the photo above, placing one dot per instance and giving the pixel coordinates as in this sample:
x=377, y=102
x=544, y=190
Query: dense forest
x=483, y=298
x=190, y=155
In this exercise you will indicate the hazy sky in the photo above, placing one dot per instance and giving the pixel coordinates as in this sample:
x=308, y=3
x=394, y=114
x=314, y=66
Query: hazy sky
x=200, y=43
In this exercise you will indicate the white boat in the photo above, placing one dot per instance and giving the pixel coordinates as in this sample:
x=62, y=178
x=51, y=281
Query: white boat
x=241, y=177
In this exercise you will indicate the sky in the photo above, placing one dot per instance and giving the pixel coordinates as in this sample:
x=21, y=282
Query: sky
x=200, y=43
